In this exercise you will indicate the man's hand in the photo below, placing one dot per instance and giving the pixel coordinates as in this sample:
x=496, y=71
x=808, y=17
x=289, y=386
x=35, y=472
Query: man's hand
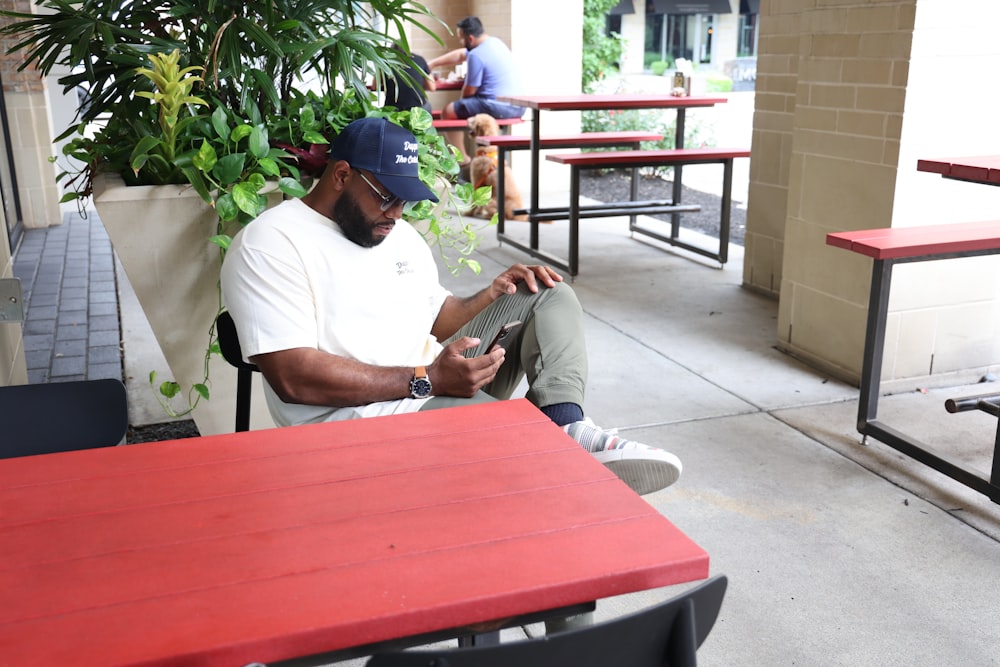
x=506, y=282
x=452, y=374
x=455, y=313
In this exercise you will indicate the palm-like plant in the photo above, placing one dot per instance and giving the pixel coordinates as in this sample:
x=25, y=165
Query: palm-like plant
x=223, y=94
x=256, y=59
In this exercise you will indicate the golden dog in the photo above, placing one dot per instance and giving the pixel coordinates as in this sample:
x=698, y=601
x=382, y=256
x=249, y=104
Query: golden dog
x=484, y=170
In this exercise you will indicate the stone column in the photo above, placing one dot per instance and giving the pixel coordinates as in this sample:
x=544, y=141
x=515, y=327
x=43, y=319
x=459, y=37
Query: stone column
x=850, y=93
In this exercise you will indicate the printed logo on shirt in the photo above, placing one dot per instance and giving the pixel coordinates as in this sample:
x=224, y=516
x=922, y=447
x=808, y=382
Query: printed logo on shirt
x=402, y=268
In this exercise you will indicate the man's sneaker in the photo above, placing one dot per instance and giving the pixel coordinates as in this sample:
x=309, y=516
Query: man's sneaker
x=645, y=469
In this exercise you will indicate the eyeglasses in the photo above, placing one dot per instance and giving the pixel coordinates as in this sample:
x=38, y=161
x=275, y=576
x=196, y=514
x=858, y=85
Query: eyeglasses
x=387, y=201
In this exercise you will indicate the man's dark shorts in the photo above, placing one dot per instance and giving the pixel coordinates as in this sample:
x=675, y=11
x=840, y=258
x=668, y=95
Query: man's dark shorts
x=467, y=107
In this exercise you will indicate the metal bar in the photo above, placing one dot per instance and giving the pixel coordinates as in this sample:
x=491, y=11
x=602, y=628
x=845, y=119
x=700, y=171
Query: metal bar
x=609, y=212
x=574, y=221
x=647, y=210
x=501, y=190
x=678, y=243
x=973, y=403
x=675, y=219
x=932, y=458
x=871, y=364
x=615, y=205
x=995, y=471
x=633, y=194
x=536, y=143
x=555, y=261
x=727, y=207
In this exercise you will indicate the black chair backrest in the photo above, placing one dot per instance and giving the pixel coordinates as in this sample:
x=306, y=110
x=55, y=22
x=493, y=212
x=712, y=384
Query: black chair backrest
x=62, y=416
x=666, y=634
x=229, y=345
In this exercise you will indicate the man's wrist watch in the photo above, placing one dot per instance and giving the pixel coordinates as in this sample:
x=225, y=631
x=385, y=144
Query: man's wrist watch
x=420, y=385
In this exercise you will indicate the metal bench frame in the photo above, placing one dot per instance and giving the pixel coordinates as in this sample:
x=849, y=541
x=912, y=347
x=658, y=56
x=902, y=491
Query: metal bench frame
x=868, y=423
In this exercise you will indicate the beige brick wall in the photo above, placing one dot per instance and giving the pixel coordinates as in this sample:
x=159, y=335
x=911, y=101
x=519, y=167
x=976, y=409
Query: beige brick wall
x=30, y=133
x=31, y=145
x=850, y=93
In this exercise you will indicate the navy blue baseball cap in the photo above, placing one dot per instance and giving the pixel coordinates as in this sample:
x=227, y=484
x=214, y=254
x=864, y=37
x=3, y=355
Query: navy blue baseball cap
x=387, y=151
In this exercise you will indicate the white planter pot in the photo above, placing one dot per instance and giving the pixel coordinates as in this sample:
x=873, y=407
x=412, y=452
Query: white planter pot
x=160, y=234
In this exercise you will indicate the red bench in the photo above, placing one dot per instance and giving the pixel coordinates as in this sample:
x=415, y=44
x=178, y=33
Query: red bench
x=675, y=157
x=888, y=247
x=583, y=140
x=463, y=123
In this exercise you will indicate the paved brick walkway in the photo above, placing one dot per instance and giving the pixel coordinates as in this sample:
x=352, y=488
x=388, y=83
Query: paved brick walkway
x=71, y=327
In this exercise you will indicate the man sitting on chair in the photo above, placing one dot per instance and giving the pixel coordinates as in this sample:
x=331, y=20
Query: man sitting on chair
x=341, y=309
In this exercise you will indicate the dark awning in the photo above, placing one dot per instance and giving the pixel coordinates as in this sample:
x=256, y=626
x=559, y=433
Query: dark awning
x=623, y=7
x=749, y=6
x=692, y=7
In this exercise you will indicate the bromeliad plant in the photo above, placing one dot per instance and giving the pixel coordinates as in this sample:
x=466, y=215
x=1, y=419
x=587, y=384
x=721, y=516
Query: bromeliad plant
x=230, y=96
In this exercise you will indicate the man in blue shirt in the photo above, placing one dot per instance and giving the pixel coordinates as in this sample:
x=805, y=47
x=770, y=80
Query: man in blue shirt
x=490, y=73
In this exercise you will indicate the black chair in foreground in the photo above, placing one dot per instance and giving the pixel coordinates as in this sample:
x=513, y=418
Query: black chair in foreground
x=229, y=344
x=666, y=634
x=62, y=416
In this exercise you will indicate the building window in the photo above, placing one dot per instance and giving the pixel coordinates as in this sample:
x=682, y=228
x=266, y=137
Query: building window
x=747, y=45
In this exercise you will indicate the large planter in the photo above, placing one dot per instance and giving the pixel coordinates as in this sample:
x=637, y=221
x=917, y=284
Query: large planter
x=160, y=234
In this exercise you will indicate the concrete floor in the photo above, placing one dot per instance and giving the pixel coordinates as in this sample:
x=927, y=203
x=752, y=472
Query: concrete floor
x=837, y=553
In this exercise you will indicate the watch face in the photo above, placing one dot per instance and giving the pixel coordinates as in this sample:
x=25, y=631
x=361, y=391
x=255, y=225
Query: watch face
x=420, y=387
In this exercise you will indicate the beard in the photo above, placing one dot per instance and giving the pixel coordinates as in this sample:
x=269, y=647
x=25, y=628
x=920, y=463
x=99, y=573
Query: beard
x=347, y=213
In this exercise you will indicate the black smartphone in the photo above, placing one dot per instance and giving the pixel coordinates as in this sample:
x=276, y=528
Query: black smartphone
x=504, y=336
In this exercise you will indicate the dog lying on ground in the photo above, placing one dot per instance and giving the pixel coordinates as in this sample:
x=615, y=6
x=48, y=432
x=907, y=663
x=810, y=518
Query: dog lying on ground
x=485, y=170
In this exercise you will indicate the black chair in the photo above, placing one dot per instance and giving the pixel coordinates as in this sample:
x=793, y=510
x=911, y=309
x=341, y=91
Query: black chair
x=666, y=634
x=229, y=344
x=62, y=416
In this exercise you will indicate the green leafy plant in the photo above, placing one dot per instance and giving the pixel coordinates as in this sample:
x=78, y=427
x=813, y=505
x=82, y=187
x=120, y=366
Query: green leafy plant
x=659, y=67
x=230, y=97
x=603, y=51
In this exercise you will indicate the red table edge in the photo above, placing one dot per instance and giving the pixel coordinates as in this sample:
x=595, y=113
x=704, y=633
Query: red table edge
x=600, y=102
x=980, y=168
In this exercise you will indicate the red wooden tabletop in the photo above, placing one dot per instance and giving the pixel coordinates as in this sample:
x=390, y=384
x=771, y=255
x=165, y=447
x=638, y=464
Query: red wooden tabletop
x=980, y=168
x=268, y=545
x=583, y=101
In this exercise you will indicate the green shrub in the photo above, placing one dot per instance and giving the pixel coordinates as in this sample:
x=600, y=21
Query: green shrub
x=650, y=57
x=658, y=67
x=718, y=83
x=603, y=51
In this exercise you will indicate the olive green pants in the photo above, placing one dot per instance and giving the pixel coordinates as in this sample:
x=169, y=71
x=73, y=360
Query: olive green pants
x=549, y=349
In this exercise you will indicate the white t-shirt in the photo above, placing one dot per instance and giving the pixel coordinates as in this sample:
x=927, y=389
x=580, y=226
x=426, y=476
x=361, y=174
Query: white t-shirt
x=292, y=279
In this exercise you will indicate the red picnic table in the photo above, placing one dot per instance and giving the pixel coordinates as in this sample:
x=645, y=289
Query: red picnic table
x=325, y=540
x=573, y=212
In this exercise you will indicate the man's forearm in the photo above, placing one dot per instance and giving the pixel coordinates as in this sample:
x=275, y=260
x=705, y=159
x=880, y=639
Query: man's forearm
x=310, y=377
x=451, y=58
x=457, y=312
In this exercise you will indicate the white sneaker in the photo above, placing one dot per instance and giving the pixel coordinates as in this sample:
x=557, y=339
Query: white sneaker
x=645, y=469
